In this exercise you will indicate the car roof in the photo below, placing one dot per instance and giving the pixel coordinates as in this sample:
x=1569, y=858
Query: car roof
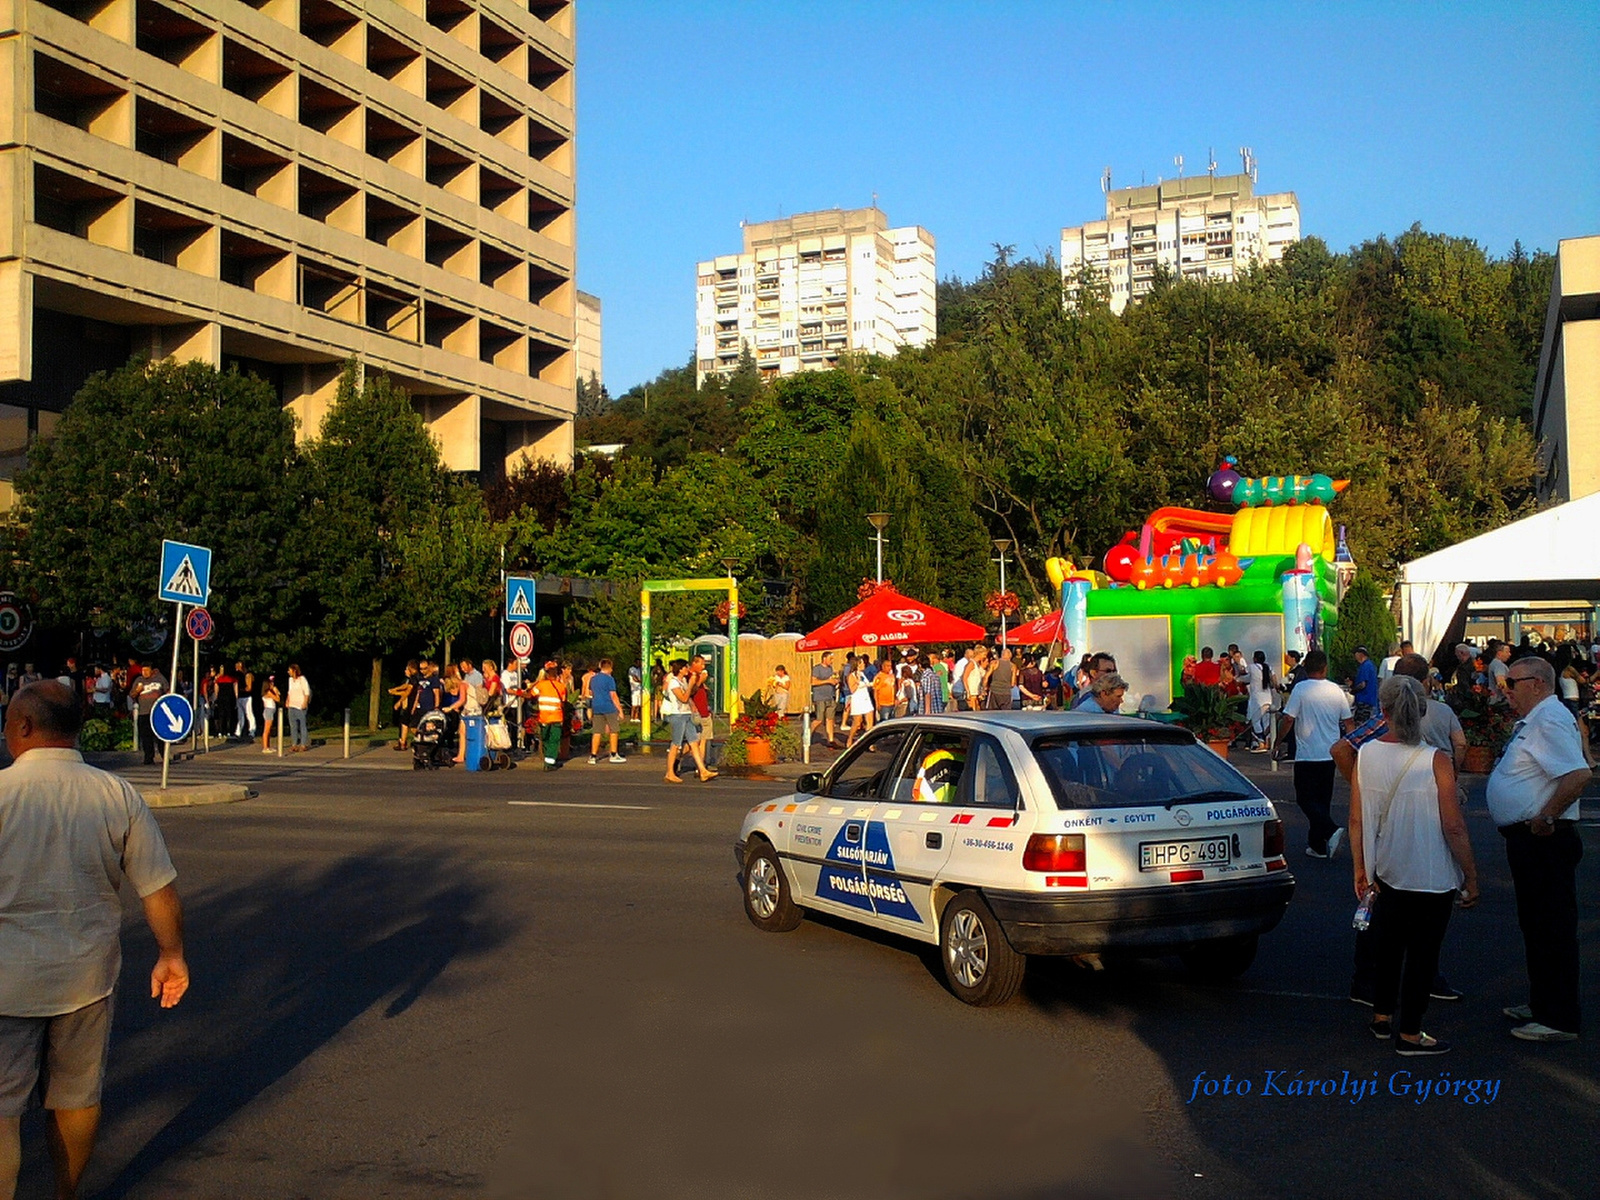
x=1030, y=724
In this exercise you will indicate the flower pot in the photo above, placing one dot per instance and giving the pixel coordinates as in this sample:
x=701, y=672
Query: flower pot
x=758, y=752
x=1220, y=746
x=1479, y=760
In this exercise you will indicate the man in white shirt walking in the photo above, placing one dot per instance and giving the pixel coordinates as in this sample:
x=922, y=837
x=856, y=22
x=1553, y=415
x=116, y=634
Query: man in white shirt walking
x=70, y=836
x=1319, y=714
x=1533, y=798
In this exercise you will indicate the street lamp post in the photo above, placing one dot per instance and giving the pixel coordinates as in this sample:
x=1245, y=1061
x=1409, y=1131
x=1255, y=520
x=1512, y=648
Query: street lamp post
x=879, y=521
x=1002, y=544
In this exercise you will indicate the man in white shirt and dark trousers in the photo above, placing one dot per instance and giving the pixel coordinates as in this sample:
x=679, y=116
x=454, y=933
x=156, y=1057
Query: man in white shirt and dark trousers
x=1319, y=714
x=1533, y=798
x=70, y=837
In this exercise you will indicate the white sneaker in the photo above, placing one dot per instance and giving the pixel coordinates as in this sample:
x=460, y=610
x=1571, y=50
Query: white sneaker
x=593, y=760
x=1335, y=840
x=1518, y=1012
x=616, y=758
x=1535, y=1032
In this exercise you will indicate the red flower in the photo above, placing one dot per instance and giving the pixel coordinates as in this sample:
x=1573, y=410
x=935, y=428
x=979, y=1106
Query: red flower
x=1002, y=602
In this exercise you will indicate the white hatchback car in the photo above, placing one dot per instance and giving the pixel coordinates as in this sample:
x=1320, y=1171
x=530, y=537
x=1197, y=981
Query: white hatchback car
x=1000, y=835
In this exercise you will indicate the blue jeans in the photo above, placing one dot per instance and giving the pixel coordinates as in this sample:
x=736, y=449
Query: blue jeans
x=297, y=727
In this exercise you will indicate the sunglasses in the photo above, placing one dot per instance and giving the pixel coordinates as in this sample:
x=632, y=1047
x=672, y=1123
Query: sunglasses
x=1513, y=680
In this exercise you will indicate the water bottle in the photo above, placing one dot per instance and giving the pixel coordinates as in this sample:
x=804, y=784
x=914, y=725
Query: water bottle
x=1363, y=917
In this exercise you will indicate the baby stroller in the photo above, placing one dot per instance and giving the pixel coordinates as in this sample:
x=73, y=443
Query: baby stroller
x=428, y=748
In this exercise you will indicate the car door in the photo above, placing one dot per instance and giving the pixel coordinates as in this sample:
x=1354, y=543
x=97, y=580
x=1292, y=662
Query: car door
x=910, y=834
x=828, y=837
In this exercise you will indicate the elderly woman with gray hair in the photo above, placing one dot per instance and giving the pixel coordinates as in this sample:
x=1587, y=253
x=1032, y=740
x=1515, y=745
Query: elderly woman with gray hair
x=1409, y=844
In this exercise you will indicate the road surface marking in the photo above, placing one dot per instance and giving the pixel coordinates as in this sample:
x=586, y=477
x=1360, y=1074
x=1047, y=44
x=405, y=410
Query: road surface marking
x=578, y=804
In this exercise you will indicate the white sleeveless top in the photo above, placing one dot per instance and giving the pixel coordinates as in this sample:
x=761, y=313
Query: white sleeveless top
x=1402, y=837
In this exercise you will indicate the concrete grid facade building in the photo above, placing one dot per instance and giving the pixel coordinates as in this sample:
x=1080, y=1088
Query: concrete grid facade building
x=590, y=367
x=1202, y=228
x=814, y=286
x=287, y=184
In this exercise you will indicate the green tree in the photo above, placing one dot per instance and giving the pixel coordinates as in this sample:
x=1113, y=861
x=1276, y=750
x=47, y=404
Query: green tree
x=450, y=563
x=1364, y=620
x=375, y=482
x=166, y=450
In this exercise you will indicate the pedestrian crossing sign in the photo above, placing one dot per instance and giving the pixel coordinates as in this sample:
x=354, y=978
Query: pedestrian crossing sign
x=185, y=573
x=520, y=602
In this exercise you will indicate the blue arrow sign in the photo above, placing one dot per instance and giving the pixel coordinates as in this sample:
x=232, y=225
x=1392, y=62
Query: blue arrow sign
x=172, y=718
x=521, y=602
x=185, y=573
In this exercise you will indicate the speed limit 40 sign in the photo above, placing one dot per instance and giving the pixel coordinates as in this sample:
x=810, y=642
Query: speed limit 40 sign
x=522, y=640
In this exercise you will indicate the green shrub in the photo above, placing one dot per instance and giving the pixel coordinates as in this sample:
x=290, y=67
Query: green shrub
x=786, y=743
x=97, y=736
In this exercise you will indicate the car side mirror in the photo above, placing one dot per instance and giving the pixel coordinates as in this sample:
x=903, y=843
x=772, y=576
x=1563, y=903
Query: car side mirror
x=810, y=783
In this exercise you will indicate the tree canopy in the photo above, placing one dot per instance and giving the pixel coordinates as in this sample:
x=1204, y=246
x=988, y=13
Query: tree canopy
x=1405, y=365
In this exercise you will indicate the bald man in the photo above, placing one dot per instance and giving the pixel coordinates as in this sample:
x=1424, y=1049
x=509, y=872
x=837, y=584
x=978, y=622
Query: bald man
x=70, y=835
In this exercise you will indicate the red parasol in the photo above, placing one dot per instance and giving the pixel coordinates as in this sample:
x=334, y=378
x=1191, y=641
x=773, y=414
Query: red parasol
x=889, y=619
x=1039, y=631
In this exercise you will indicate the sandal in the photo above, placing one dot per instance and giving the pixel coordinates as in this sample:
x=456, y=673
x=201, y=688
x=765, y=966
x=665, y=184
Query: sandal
x=674, y=778
x=1424, y=1045
x=706, y=776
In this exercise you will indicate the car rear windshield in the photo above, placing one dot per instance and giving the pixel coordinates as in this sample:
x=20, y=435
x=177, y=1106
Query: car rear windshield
x=1122, y=770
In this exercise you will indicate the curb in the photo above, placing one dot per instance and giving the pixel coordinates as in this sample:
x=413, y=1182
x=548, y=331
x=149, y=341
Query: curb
x=196, y=794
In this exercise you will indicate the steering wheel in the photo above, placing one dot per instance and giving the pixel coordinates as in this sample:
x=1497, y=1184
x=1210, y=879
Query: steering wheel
x=1146, y=774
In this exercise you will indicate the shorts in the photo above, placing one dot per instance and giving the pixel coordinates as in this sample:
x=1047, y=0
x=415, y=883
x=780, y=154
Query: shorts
x=685, y=729
x=62, y=1058
x=601, y=723
x=825, y=709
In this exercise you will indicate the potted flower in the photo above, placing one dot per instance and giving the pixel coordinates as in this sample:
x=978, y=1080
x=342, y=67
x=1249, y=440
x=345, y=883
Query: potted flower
x=1487, y=729
x=750, y=736
x=1211, y=714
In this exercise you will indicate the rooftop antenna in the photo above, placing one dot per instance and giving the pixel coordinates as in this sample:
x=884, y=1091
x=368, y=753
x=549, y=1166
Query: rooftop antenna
x=1247, y=157
x=1177, y=160
x=1105, y=181
x=1211, y=162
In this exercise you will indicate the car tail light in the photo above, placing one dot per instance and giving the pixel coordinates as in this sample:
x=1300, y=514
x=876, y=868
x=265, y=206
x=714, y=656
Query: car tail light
x=1272, y=843
x=1056, y=852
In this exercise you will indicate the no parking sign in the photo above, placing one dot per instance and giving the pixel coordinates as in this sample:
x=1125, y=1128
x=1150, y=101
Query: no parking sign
x=199, y=624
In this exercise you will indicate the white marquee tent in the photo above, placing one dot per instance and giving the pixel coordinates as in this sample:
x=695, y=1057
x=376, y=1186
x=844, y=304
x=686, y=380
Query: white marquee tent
x=1552, y=555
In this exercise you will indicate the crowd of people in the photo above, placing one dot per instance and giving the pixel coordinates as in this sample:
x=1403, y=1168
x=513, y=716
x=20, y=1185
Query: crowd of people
x=854, y=695
x=233, y=702
x=539, y=712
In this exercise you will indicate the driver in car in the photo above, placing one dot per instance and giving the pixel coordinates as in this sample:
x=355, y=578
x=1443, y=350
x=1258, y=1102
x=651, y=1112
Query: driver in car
x=937, y=778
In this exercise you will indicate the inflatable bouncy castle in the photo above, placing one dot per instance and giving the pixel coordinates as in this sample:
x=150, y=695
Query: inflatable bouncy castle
x=1262, y=576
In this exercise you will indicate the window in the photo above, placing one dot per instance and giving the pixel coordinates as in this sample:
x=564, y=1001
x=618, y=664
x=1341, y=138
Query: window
x=1119, y=770
x=934, y=772
x=990, y=778
x=859, y=776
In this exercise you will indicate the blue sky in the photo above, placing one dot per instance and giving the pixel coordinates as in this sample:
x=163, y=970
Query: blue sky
x=990, y=121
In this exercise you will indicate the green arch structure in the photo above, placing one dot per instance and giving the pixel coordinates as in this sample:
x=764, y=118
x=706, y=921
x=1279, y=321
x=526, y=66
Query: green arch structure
x=731, y=675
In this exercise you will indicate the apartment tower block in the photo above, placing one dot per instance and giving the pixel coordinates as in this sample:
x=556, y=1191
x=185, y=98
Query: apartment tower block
x=1206, y=227
x=288, y=184
x=813, y=286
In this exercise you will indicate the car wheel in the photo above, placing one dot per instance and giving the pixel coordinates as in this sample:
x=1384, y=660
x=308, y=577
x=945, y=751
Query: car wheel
x=766, y=891
x=1222, y=959
x=979, y=963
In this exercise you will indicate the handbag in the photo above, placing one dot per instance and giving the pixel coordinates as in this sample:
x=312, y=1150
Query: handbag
x=496, y=736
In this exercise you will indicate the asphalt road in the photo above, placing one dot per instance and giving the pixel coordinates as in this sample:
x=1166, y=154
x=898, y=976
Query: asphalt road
x=410, y=986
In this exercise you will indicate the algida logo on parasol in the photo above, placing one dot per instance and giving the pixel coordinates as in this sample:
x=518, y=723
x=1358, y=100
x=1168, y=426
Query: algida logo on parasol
x=16, y=622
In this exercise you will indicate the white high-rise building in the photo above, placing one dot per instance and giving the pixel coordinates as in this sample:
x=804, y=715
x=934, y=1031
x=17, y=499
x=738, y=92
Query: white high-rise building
x=1201, y=228
x=813, y=286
